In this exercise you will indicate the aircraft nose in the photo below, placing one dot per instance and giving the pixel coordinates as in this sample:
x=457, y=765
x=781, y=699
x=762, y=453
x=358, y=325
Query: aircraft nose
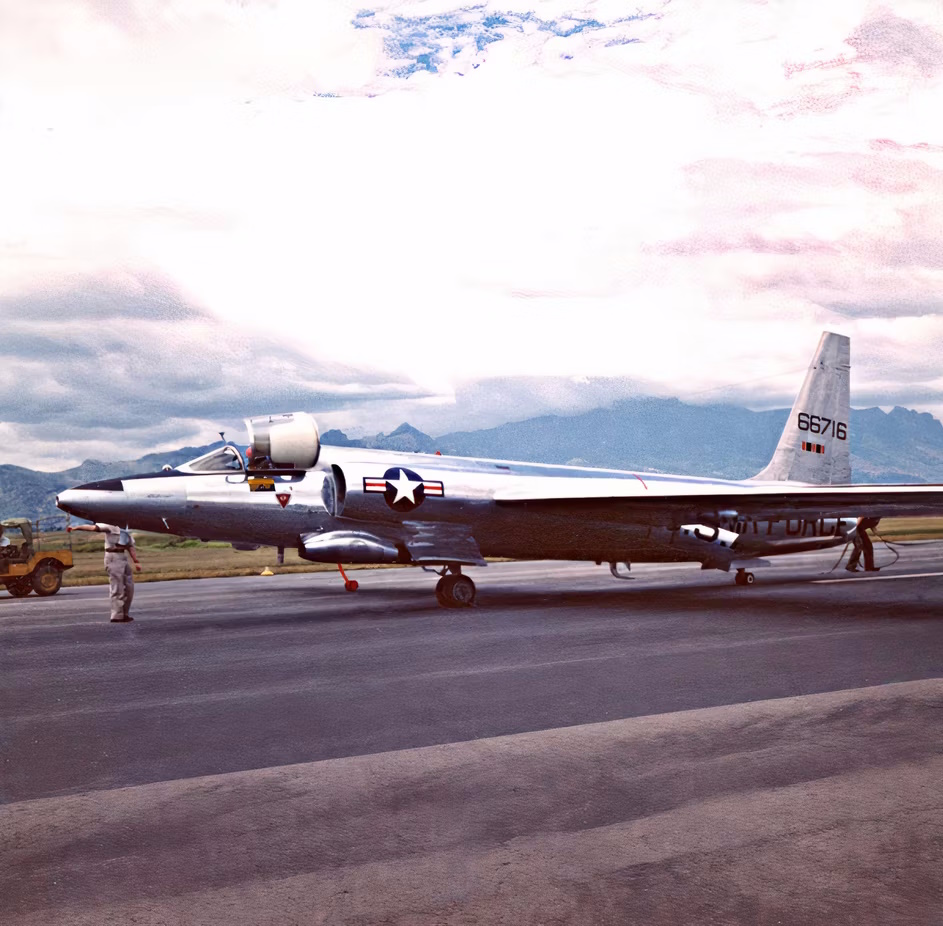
x=91, y=501
x=69, y=499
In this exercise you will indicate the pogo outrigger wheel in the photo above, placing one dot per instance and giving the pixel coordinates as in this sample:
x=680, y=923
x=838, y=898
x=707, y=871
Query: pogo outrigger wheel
x=350, y=584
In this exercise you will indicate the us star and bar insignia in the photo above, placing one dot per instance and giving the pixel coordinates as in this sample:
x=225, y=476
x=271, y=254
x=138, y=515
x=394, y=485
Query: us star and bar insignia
x=403, y=489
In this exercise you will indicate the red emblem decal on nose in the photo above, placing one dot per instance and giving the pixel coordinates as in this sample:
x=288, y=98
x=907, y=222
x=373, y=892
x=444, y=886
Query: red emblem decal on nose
x=283, y=498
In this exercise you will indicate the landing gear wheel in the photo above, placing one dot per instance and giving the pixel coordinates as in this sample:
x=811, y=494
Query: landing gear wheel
x=455, y=591
x=19, y=588
x=47, y=580
x=744, y=578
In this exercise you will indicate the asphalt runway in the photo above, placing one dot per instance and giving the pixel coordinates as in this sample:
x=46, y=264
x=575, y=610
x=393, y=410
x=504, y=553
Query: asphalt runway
x=575, y=749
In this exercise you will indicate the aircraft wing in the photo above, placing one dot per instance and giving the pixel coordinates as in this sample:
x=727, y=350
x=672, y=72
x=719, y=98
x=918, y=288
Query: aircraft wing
x=676, y=503
x=429, y=542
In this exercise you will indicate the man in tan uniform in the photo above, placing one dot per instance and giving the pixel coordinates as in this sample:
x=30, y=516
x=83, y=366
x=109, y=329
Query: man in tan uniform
x=119, y=544
x=862, y=544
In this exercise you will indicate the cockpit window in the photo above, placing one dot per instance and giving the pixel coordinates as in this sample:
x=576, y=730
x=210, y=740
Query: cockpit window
x=222, y=460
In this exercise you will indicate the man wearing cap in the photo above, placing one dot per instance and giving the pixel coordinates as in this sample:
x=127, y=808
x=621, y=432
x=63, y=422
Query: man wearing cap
x=119, y=544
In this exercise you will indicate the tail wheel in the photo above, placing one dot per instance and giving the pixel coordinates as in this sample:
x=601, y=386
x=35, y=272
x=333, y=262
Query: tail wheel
x=47, y=579
x=19, y=588
x=744, y=578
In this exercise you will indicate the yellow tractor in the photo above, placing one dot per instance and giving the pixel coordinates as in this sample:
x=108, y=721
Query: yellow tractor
x=24, y=567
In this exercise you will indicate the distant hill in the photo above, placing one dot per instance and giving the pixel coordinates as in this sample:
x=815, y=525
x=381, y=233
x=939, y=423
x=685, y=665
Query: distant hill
x=659, y=435
x=405, y=438
x=899, y=446
x=651, y=434
x=666, y=435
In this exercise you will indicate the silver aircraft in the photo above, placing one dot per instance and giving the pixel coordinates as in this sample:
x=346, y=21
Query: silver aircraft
x=350, y=505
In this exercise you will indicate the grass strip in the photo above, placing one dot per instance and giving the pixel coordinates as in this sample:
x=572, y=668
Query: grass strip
x=166, y=557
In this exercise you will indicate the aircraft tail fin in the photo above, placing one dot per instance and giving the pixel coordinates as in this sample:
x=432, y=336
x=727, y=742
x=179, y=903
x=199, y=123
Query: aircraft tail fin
x=814, y=445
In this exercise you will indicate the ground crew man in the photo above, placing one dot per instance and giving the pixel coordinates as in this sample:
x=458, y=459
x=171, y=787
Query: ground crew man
x=119, y=544
x=863, y=544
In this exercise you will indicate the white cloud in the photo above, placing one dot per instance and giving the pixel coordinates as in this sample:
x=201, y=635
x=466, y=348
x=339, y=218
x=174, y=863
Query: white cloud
x=686, y=197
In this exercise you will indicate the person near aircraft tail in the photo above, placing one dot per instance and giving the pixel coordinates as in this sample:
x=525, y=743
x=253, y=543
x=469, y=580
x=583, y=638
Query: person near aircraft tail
x=119, y=544
x=863, y=544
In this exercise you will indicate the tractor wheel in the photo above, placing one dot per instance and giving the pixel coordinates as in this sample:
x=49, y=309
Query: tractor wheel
x=47, y=579
x=19, y=588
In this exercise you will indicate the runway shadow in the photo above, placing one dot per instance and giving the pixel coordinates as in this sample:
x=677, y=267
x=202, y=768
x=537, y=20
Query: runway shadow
x=782, y=598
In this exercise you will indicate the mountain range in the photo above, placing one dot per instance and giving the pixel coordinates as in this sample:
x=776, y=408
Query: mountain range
x=652, y=434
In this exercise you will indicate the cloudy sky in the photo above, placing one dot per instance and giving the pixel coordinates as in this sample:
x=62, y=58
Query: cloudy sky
x=454, y=214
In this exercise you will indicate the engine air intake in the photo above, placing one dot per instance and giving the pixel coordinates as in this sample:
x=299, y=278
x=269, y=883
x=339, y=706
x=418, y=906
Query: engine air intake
x=289, y=440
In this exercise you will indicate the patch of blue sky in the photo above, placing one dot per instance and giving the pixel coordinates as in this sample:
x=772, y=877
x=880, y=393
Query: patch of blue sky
x=570, y=27
x=426, y=43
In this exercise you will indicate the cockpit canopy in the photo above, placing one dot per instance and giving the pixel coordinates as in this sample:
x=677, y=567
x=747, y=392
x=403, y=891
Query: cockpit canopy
x=289, y=440
x=226, y=459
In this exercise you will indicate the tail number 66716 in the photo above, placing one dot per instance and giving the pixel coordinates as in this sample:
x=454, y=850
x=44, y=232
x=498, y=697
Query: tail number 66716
x=816, y=424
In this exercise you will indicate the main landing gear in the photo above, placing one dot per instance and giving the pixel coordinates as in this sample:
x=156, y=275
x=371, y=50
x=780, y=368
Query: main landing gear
x=744, y=578
x=454, y=590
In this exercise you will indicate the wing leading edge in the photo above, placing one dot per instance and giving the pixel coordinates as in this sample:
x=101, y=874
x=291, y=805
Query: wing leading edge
x=674, y=504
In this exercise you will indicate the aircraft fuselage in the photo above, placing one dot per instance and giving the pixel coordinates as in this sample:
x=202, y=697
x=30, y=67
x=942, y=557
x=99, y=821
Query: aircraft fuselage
x=394, y=497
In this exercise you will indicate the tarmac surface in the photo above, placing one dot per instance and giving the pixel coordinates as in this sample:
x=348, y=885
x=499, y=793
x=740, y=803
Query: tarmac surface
x=575, y=749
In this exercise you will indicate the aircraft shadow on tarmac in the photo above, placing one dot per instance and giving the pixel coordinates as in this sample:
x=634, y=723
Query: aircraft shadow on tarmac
x=784, y=600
